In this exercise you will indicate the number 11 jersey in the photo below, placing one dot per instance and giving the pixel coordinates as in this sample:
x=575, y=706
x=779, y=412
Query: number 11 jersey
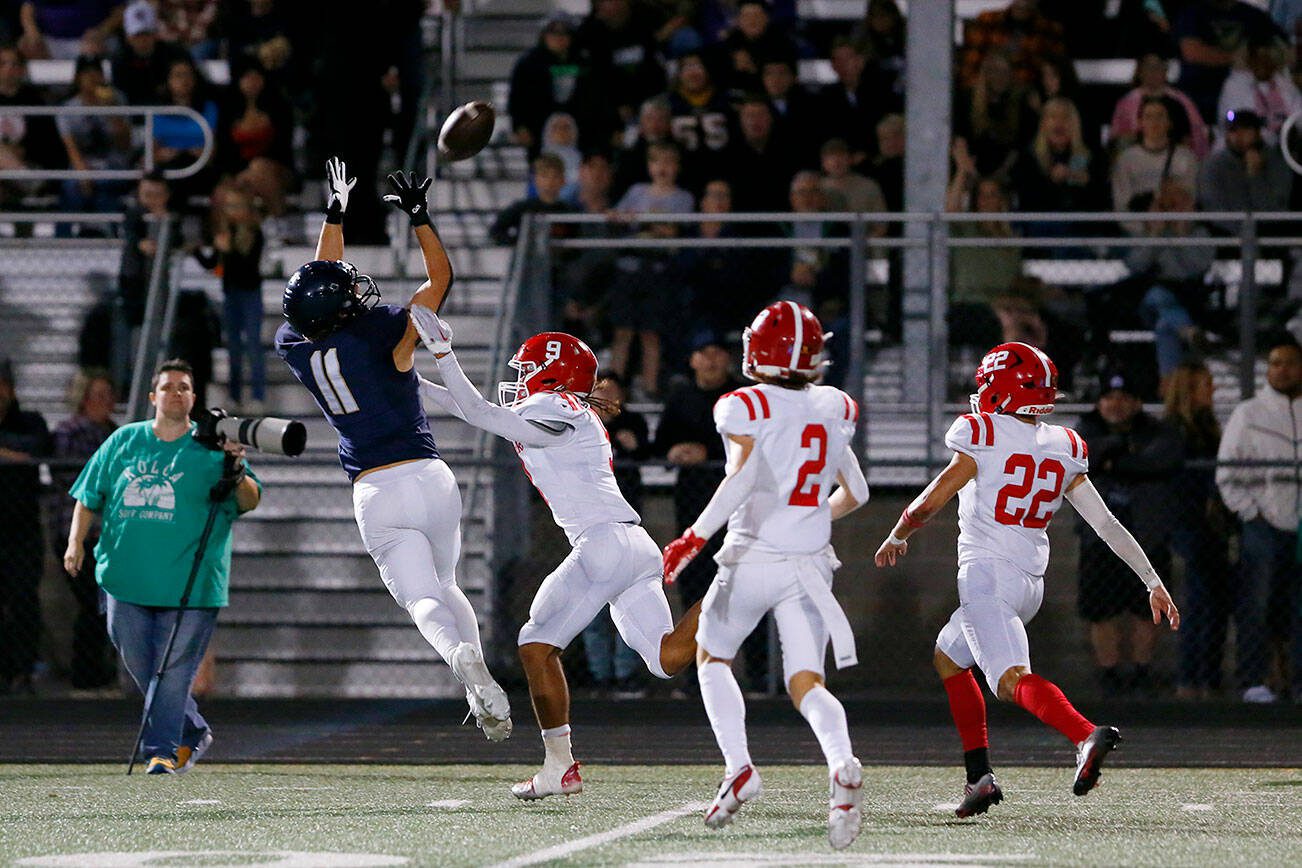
x=1023, y=470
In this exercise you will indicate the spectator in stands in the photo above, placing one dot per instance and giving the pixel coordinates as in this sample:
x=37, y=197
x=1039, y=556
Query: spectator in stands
x=687, y=439
x=700, y=121
x=24, y=436
x=1262, y=85
x=555, y=76
x=818, y=276
x=586, y=274
x=1243, y=174
x=560, y=136
x=795, y=111
x=760, y=160
x=92, y=399
x=994, y=116
x=851, y=108
x=1150, y=81
x=142, y=61
x=258, y=30
x=1020, y=29
x=979, y=277
x=548, y=181
x=593, y=192
x=255, y=136
x=887, y=166
x=653, y=121
x=620, y=38
x=237, y=244
x=1170, y=278
x=178, y=140
x=879, y=37
x=94, y=142
x=637, y=302
x=730, y=283
x=1057, y=77
x=25, y=142
x=1267, y=428
x=1199, y=533
x=847, y=190
x=1133, y=461
x=63, y=30
x=752, y=41
x=1155, y=158
x=1056, y=173
x=140, y=228
x=189, y=24
x=1213, y=36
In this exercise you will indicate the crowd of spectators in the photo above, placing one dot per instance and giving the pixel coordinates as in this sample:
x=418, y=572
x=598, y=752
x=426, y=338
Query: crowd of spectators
x=720, y=86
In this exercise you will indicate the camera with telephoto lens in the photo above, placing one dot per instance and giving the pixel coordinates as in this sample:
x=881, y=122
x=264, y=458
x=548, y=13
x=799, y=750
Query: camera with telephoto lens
x=263, y=433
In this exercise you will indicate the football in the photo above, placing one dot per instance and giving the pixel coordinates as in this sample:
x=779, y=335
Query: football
x=466, y=131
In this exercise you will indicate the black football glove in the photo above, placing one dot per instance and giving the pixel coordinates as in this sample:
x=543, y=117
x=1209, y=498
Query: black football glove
x=233, y=472
x=409, y=196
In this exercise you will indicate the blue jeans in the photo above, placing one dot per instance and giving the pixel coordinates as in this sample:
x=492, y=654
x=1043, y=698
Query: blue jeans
x=140, y=635
x=243, y=311
x=609, y=657
x=1204, y=611
x=1167, y=317
x=1267, y=602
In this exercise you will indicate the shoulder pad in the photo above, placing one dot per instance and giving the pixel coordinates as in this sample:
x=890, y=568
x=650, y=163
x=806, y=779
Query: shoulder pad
x=740, y=411
x=836, y=404
x=544, y=406
x=971, y=432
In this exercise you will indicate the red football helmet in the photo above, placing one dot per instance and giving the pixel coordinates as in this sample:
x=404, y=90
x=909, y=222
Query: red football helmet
x=786, y=338
x=1015, y=378
x=550, y=362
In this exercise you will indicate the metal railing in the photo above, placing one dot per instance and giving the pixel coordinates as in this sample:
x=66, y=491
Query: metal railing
x=148, y=112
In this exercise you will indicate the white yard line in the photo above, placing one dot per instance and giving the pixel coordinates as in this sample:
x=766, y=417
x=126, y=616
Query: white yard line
x=448, y=803
x=569, y=848
x=1195, y=807
x=201, y=802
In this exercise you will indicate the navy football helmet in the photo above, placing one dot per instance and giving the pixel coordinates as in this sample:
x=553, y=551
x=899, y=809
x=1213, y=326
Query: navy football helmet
x=323, y=295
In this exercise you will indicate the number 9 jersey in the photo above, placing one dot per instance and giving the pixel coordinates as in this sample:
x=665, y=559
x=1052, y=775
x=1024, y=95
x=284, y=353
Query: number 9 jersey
x=1022, y=471
x=802, y=439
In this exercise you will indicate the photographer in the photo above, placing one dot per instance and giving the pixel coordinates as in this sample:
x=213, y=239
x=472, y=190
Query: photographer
x=153, y=483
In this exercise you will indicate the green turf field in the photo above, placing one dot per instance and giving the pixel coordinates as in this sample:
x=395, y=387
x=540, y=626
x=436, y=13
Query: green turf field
x=650, y=815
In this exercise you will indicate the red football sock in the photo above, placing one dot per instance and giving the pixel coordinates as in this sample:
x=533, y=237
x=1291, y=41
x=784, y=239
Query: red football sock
x=968, y=708
x=1042, y=698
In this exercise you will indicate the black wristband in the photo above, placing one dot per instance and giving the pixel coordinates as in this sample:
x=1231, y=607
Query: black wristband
x=335, y=213
x=421, y=218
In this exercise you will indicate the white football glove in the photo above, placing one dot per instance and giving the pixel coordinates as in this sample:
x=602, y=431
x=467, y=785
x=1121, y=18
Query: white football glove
x=339, y=183
x=434, y=332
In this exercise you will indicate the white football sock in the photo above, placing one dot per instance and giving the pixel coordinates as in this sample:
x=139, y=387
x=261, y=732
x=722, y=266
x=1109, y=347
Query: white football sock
x=556, y=741
x=727, y=712
x=826, y=718
x=437, y=624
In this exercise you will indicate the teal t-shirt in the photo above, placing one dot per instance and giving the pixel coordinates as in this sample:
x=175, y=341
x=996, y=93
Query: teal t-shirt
x=153, y=496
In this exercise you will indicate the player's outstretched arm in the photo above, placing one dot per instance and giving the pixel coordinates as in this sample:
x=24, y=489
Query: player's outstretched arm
x=1082, y=495
x=409, y=195
x=853, y=490
x=441, y=397
x=961, y=470
x=330, y=245
x=437, y=337
x=743, y=470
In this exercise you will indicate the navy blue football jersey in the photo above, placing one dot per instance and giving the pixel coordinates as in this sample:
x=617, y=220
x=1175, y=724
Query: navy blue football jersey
x=375, y=407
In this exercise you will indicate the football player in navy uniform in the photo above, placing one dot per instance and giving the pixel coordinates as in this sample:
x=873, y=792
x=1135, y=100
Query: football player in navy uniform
x=356, y=357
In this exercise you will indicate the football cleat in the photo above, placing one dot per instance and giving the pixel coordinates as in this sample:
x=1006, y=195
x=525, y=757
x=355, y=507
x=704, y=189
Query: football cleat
x=486, y=699
x=547, y=783
x=844, y=816
x=160, y=765
x=187, y=756
x=978, y=797
x=1090, y=755
x=735, y=791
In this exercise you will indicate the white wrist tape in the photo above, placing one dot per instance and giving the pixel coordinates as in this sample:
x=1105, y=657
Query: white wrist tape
x=894, y=540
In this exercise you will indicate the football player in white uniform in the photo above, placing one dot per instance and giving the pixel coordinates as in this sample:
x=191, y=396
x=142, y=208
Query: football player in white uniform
x=788, y=444
x=566, y=453
x=1011, y=472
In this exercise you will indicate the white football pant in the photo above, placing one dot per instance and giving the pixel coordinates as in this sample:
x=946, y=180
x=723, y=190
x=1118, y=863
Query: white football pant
x=988, y=629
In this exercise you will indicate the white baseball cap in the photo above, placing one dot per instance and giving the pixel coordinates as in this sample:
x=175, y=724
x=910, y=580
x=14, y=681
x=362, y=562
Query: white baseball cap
x=139, y=17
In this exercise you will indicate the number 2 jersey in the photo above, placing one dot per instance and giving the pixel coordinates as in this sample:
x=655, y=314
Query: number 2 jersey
x=573, y=474
x=375, y=407
x=1022, y=472
x=800, y=438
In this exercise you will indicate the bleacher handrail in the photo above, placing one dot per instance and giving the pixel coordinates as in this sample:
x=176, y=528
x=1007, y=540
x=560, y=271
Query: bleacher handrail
x=149, y=112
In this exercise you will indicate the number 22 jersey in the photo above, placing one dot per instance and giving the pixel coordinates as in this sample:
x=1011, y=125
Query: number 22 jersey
x=1022, y=472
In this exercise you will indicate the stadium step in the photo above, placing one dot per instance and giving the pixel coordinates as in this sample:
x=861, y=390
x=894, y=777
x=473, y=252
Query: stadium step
x=339, y=678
